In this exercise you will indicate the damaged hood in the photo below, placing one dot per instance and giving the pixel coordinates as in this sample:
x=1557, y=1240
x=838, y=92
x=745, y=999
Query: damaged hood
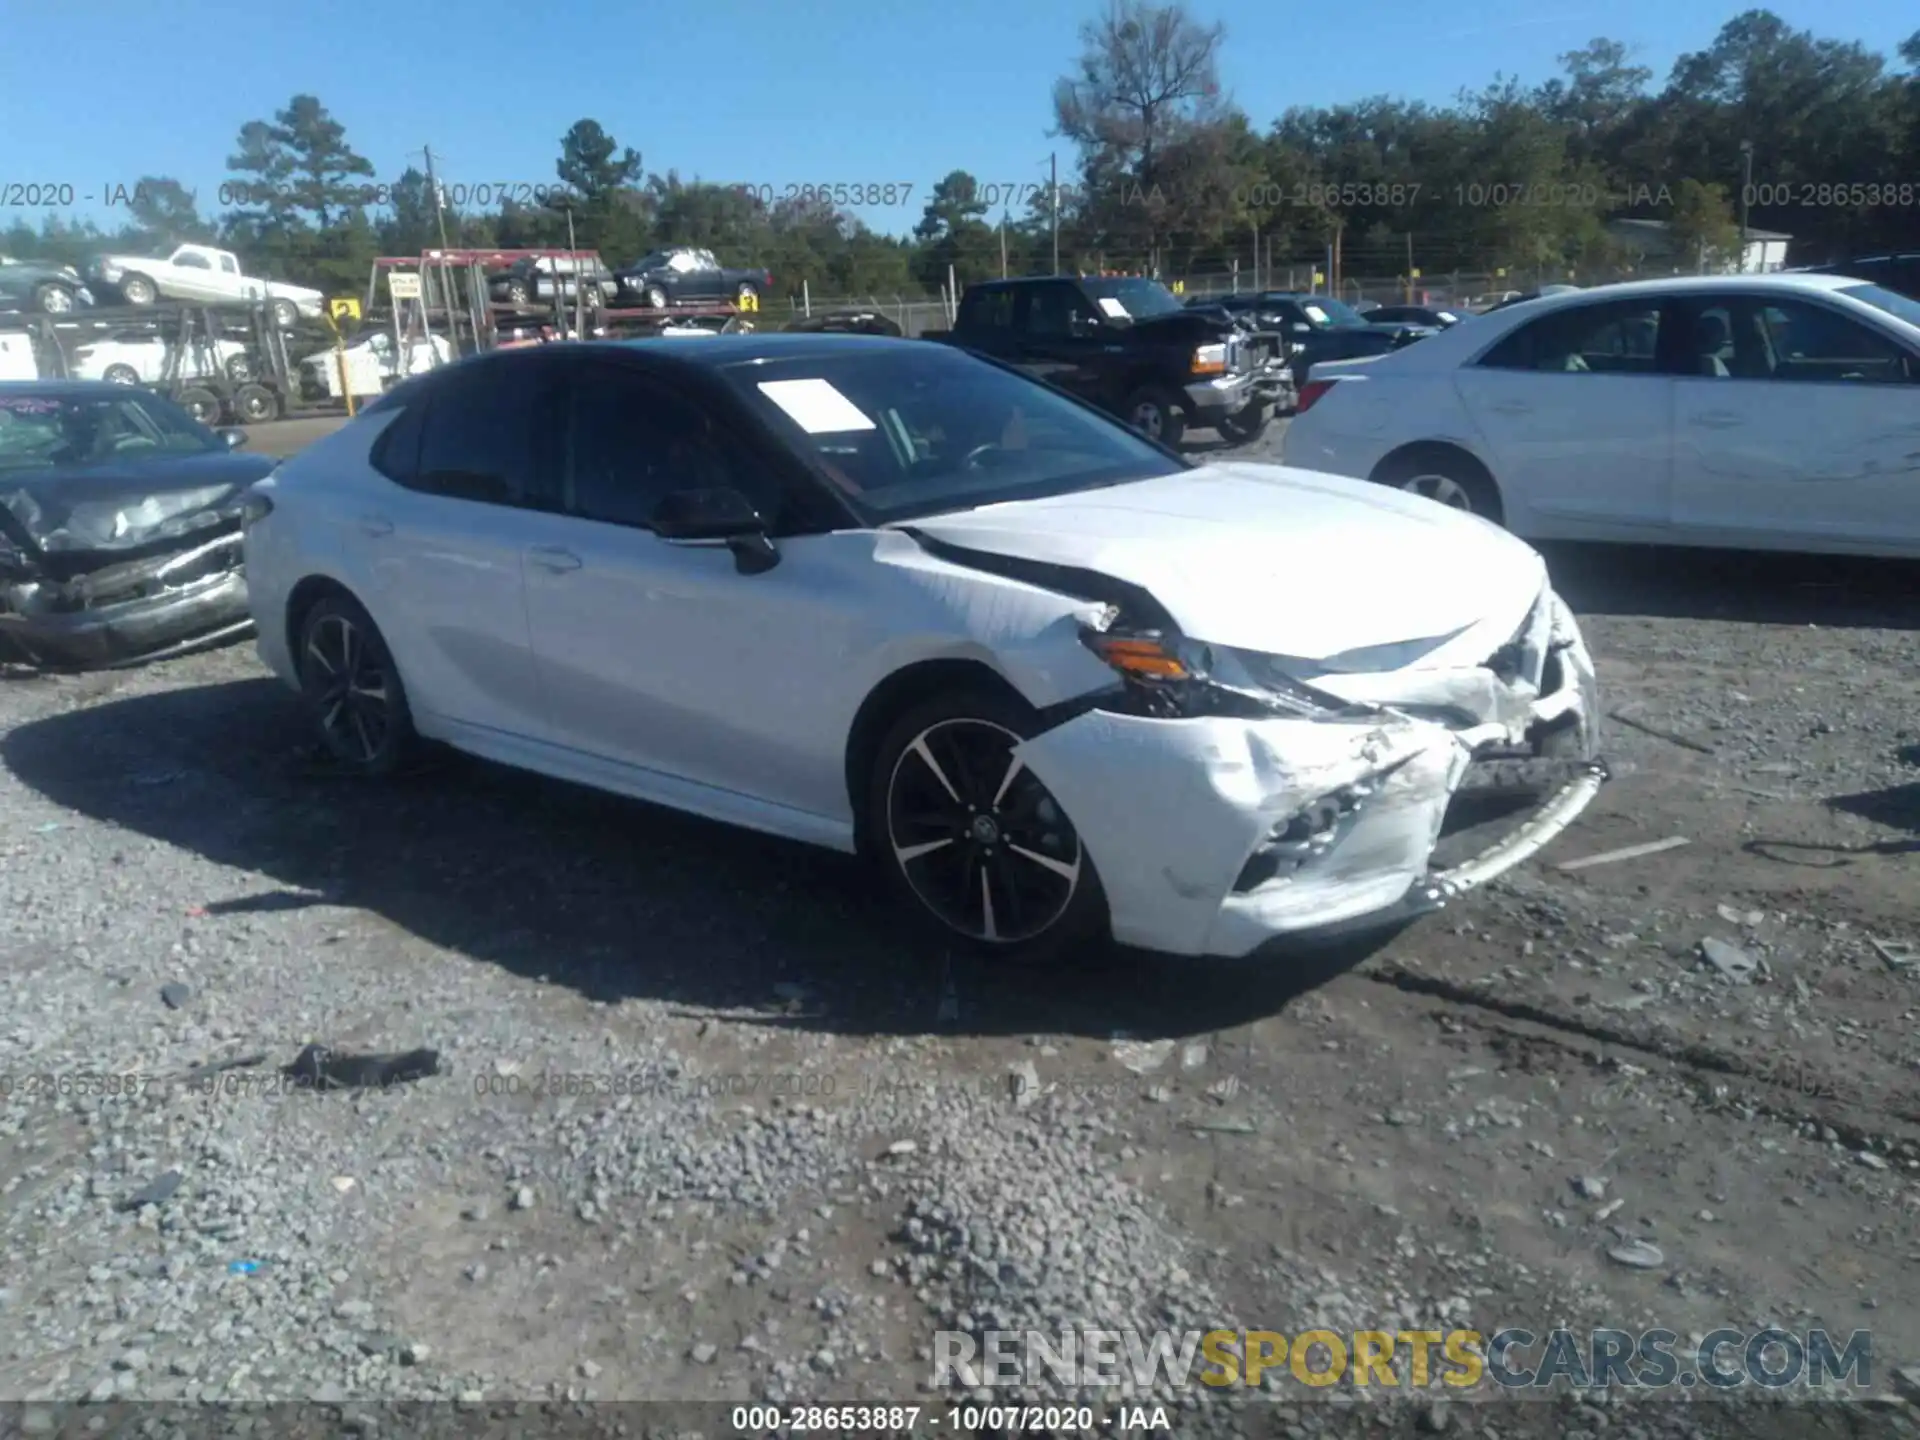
x=1273, y=559
x=120, y=508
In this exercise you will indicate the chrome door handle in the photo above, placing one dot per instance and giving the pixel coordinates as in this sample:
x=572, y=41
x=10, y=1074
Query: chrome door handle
x=1715, y=420
x=552, y=557
x=376, y=525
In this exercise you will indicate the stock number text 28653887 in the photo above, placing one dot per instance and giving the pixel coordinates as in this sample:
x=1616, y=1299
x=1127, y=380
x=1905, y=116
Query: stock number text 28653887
x=837, y=192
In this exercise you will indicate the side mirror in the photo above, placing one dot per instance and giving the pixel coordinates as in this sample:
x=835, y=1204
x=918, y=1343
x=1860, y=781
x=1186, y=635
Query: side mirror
x=234, y=437
x=717, y=517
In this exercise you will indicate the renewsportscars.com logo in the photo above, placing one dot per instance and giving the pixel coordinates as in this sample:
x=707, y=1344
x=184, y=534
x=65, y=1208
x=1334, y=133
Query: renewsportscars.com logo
x=1512, y=1359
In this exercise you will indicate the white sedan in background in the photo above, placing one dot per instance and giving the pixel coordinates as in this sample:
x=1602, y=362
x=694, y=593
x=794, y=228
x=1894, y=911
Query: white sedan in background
x=1775, y=412
x=886, y=597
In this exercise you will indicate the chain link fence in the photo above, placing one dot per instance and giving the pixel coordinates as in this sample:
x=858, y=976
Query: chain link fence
x=916, y=313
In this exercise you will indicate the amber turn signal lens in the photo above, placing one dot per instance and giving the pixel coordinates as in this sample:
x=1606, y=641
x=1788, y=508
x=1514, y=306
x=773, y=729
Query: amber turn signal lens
x=1145, y=658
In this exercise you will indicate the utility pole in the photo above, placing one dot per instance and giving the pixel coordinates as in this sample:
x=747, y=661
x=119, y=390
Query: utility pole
x=1053, y=161
x=1746, y=196
x=439, y=207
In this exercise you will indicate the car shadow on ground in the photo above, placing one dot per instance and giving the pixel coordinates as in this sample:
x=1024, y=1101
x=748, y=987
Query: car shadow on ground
x=610, y=897
x=1668, y=582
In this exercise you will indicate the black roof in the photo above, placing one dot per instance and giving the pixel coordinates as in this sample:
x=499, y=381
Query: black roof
x=718, y=350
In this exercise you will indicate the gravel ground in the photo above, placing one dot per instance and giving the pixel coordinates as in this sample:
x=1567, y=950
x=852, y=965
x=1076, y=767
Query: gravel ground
x=832, y=1142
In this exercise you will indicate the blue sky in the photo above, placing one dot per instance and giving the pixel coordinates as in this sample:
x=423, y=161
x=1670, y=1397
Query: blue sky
x=852, y=92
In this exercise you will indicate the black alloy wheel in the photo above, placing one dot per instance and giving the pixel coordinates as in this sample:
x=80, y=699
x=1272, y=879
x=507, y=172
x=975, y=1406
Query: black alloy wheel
x=976, y=838
x=352, y=689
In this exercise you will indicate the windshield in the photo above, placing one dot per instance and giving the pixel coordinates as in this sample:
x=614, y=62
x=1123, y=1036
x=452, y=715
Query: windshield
x=1137, y=299
x=1891, y=301
x=56, y=432
x=905, y=431
x=1327, y=313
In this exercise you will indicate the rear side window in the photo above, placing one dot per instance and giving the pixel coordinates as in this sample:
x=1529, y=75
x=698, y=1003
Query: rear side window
x=396, y=453
x=987, y=310
x=1622, y=338
x=479, y=436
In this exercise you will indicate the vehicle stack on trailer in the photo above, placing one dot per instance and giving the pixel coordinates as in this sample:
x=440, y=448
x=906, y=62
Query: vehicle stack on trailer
x=469, y=301
x=222, y=363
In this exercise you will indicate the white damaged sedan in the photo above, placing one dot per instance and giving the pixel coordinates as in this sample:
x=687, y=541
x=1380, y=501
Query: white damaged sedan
x=884, y=596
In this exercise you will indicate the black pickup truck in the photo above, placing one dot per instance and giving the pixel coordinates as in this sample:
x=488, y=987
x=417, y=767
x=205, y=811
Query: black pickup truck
x=1130, y=347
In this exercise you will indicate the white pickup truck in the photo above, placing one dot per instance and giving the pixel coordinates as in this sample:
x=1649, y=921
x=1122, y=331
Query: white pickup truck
x=201, y=275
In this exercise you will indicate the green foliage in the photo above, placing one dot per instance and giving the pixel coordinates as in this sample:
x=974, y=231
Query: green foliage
x=1164, y=171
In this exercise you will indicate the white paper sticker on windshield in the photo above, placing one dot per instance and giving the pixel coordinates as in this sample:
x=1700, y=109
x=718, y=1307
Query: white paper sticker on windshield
x=1112, y=308
x=1315, y=314
x=815, y=406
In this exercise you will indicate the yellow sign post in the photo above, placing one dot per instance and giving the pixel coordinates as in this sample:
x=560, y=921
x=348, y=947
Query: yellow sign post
x=344, y=308
x=749, y=303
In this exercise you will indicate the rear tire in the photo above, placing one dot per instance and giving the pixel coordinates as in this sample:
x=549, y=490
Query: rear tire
x=53, y=299
x=255, y=404
x=973, y=843
x=121, y=375
x=352, y=689
x=202, y=404
x=1447, y=476
x=1154, y=412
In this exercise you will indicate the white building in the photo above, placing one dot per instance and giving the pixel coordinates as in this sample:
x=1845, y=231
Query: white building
x=1652, y=242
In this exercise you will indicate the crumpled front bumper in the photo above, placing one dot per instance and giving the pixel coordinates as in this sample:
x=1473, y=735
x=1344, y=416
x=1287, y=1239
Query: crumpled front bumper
x=1213, y=836
x=130, y=613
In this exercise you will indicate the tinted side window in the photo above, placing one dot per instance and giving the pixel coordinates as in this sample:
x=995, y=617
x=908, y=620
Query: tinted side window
x=631, y=442
x=479, y=440
x=1621, y=338
x=1057, y=311
x=987, y=310
x=396, y=454
x=1811, y=343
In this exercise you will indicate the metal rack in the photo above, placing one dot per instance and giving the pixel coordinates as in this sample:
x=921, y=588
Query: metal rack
x=261, y=389
x=450, y=292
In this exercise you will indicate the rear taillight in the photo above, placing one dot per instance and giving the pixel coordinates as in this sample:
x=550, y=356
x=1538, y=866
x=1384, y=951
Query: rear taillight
x=1310, y=392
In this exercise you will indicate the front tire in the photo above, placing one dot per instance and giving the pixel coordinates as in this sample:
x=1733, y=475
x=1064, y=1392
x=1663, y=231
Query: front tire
x=352, y=689
x=1446, y=476
x=656, y=298
x=285, y=314
x=121, y=375
x=138, y=290
x=1154, y=412
x=1246, y=427
x=972, y=840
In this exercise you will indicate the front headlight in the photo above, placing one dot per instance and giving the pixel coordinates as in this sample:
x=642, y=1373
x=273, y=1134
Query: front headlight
x=1210, y=359
x=1168, y=675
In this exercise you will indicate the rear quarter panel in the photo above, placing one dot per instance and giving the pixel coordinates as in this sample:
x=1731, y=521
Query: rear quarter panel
x=1380, y=407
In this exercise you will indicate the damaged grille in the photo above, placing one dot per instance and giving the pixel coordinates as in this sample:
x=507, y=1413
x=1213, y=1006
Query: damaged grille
x=133, y=579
